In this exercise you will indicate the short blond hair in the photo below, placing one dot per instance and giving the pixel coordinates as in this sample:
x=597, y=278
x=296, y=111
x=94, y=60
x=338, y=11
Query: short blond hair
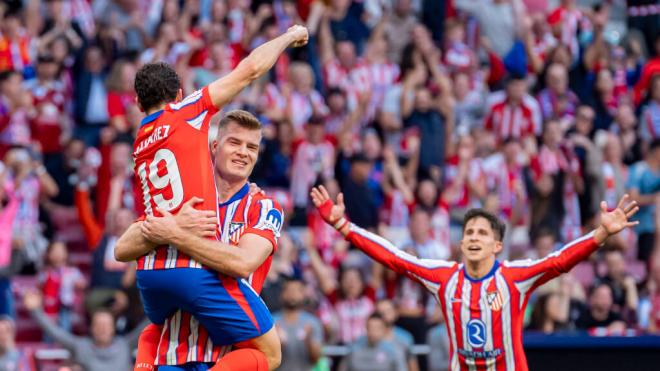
x=242, y=118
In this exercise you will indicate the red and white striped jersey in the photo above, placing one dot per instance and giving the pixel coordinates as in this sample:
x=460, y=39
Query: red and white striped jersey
x=513, y=121
x=484, y=316
x=173, y=164
x=183, y=339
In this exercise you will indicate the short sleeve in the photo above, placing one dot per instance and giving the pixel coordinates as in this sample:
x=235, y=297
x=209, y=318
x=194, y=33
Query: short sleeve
x=265, y=219
x=197, y=109
x=633, y=177
x=317, y=329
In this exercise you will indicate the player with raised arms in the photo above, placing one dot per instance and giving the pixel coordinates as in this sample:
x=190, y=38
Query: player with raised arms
x=482, y=300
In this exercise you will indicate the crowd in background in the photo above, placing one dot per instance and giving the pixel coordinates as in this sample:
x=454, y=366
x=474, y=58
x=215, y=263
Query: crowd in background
x=417, y=110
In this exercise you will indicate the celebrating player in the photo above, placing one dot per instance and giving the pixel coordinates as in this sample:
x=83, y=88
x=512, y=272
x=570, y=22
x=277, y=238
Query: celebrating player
x=483, y=301
x=173, y=163
x=249, y=227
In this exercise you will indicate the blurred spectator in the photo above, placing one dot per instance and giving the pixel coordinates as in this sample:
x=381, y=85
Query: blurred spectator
x=395, y=334
x=557, y=100
x=11, y=359
x=550, y=313
x=599, y=313
x=27, y=175
x=91, y=96
x=59, y=284
x=376, y=353
x=11, y=255
x=16, y=108
x=301, y=333
x=438, y=359
x=644, y=185
x=624, y=288
x=398, y=28
x=513, y=113
x=313, y=159
x=121, y=95
x=102, y=351
x=360, y=200
x=624, y=127
x=650, y=119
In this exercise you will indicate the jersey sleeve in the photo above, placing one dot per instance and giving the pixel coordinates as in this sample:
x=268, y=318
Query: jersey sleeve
x=265, y=219
x=530, y=274
x=429, y=272
x=197, y=109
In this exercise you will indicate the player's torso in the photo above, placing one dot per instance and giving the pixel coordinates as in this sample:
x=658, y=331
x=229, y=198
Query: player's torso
x=233, y=217
x=173, y=164
x=482, y=317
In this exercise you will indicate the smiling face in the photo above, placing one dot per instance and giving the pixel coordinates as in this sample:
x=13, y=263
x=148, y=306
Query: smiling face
x=480, y=242
x=236, y=150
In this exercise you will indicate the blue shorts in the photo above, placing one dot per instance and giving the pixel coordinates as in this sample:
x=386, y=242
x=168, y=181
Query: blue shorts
x=229, y=309
x=192, y=366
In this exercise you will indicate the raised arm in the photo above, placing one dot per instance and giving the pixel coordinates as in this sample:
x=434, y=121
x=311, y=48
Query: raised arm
x=534, y=273
x=425, y=271
x=255, y=65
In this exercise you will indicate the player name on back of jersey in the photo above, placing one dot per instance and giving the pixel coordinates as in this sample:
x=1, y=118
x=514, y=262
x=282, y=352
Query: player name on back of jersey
x=159, y=133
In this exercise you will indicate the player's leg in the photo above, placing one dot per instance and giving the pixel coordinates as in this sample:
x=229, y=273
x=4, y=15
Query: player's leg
x=147, y=349
x=163, y=291
x=268, y=344
x=233, y=313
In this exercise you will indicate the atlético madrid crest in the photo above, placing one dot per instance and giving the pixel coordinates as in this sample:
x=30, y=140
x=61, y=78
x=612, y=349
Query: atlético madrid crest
x=494, y=299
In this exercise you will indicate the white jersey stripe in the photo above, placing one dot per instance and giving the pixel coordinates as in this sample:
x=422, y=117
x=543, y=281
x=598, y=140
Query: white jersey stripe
x=466, y=297
x=506, y=320
x=175, y=326
x=487, y=318
x=450, y=290
x=208, y=354
x=524, y=286
x=192, y=340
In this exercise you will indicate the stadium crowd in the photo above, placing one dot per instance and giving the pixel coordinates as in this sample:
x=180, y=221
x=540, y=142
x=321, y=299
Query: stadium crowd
x=417, y=110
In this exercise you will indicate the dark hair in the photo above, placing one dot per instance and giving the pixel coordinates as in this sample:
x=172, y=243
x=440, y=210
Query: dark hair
x=155, y=84
x=6, y=75
x=376, y=315
x=242, y=118
x=495, y=223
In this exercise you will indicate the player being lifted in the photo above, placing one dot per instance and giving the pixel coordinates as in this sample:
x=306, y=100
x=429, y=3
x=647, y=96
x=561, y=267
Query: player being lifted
x=483, y=300
x=173, y=163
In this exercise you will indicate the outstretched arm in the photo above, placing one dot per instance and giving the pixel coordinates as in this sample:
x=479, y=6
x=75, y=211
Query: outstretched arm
x=533, y=273
x=426, y=271
x=255, y=65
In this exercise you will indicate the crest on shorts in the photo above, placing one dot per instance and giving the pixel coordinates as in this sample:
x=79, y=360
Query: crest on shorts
x=494, y=300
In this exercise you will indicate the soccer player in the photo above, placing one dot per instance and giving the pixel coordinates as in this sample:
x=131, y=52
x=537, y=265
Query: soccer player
x=173, y=163
x=249, y=228
x=483, y=300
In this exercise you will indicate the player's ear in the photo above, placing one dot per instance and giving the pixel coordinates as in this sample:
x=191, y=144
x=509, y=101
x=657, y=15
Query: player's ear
x=214, y=147
x=498, y=247
x=179, y=95
x=139, y=106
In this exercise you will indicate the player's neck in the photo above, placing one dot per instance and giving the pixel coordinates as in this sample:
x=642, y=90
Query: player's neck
x=479, y=269
x=157, y=108
x=226, y=188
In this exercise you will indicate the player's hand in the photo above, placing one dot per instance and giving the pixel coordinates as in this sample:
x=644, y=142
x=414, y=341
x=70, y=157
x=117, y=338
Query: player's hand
x=202, y=223
x=615, y=221
x=299, y=34
x=160, y=230
x=330, y=212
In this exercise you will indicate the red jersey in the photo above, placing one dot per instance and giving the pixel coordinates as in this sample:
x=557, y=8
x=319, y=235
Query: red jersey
x=183, y=340
x=173, y=163
x=513, y=121
x=484, y=316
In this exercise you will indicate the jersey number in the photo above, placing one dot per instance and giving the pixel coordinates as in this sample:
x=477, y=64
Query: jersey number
x=171, y=178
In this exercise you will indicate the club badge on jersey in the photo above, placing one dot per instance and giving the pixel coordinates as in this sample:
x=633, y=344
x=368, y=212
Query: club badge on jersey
x=494, y=300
